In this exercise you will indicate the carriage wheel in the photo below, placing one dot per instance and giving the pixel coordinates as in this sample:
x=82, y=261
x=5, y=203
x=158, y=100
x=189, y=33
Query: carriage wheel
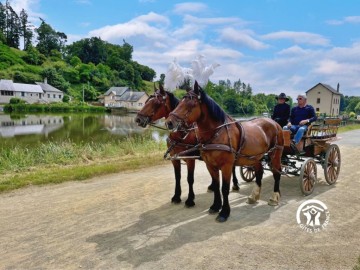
x=332, y=164
x=247, y=173
x=308, y=176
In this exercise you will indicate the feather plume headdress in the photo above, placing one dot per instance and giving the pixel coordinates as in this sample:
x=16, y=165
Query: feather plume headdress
x=177, y=75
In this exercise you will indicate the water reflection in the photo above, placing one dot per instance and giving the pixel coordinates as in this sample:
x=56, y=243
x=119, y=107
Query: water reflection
x=120, y=125
x=11, y=126
x=29, y=130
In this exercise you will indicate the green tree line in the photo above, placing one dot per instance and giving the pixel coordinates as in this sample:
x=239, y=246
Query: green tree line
x=90, y=65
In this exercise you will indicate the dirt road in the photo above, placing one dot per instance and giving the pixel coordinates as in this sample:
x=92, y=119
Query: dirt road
x=126, y=221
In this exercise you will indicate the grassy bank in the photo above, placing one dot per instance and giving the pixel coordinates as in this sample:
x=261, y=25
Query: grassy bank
x=56, y=163
x=68, y=161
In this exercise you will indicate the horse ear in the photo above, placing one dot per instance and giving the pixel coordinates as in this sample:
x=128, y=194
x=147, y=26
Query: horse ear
x=197, y=89
x=162, y=90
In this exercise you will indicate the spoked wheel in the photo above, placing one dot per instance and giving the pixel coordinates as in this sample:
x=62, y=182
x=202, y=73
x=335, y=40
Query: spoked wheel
x=332, y=164
x=308, y=175
x=247, y=173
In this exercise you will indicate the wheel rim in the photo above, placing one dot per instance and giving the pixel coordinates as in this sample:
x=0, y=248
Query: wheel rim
x=247, y=173
x=332, y=164
x=308, y=176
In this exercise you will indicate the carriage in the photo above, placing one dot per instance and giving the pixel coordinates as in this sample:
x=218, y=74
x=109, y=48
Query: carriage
x=317, y=148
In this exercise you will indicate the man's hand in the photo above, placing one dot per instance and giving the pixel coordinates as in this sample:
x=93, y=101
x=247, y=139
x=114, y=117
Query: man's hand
x=303, y=122
x=289, y=125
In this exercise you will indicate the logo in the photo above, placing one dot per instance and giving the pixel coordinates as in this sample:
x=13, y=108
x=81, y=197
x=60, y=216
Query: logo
x=312, y=216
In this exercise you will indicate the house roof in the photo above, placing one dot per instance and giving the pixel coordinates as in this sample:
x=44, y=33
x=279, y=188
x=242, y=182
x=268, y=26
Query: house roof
x=47, y=87
x=7, y=85
x=328, y=87
x=131, y=96
x=119, y=91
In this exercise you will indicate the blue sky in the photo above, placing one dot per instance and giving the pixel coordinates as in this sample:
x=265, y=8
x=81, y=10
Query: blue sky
x=274, y=45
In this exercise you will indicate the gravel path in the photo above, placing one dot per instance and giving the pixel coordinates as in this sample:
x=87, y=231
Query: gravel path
x=126, y=221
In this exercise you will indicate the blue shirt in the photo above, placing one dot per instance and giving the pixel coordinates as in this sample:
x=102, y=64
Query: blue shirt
x=298, y=114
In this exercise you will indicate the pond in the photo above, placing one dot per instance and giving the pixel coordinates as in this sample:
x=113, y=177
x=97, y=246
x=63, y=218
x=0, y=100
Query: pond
x=34, y=128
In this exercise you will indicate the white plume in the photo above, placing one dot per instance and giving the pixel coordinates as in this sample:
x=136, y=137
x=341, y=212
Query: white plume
x=177, y=75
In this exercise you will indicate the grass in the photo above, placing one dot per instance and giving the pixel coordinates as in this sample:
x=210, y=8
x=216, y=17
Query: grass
x=349, y=128
x=56, y=163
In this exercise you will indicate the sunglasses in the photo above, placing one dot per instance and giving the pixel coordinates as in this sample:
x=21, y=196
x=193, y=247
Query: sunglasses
x=299, y=98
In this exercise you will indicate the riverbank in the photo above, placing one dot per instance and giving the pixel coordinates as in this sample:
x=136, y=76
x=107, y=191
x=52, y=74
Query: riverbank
x=68, y=161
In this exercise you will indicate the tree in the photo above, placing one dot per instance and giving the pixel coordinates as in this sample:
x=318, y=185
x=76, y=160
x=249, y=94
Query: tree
x=26, y=32
x=49, y=39
x=13, y=27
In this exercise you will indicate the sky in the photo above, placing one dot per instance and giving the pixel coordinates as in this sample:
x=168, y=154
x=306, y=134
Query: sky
x=274, y=45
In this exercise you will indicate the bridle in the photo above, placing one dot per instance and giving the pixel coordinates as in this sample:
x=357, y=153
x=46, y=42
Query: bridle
x=160, y=100
x=182, y=121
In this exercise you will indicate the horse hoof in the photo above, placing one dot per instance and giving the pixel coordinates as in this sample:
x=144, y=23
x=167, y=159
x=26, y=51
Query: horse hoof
x=274, y=200
x=235, y=188
x=189, y=204
x=250, y=200
x=220, y=219
x=273, y=203
x=176, y=200
x=213, y=211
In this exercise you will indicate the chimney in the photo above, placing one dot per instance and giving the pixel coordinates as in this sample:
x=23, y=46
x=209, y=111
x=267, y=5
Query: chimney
x=338, y=87
x=45, y=80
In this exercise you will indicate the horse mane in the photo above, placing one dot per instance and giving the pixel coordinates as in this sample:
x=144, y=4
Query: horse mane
x=215, y=110
x=173, y=100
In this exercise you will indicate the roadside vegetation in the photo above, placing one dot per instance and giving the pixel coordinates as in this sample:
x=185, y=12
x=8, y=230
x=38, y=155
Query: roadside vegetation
x=58, y=162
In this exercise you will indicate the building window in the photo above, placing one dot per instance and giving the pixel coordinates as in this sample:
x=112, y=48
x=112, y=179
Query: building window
x=30, y=94
x=48, y=95
x=317, y=109
x=23, y=94
x=54, y=96
x=318, y=101
x=60, y=96
x=140, y=104
x=7, y=93
x=319, y=92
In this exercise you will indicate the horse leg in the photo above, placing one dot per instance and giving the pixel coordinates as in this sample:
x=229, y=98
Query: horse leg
x=235, y=186
x=255, y=194
x=226, y=172
x=212, y=186
x=177, y=170
x=276, y=170
x=190, y=178
x=216, y=206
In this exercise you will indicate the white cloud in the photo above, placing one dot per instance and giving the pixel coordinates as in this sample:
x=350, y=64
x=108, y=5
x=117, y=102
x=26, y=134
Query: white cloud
x=242, y=37
x=214, y=21
x=190, y=7
x=349, y=19
x=299, y=37
x=30, y=6
x=139, y=26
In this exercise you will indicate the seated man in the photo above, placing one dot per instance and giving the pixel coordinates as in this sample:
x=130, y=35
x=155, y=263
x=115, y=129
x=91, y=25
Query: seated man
x=300, y=116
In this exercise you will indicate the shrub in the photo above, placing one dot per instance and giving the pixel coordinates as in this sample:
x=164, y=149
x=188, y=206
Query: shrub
x=16, y=100
x=352, y=115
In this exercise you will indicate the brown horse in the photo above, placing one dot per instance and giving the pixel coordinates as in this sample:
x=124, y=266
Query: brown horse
x=225, y=142
x=159, y=105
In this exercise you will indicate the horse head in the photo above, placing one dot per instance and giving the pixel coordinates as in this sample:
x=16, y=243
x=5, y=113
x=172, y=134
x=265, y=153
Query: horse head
x=157, y=106
x=188, y=111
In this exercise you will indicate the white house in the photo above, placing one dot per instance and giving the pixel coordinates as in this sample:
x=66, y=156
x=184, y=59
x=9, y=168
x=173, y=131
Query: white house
x=30, y=93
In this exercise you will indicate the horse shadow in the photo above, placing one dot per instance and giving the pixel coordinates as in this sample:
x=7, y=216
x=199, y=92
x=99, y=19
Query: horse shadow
x=170, y=227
